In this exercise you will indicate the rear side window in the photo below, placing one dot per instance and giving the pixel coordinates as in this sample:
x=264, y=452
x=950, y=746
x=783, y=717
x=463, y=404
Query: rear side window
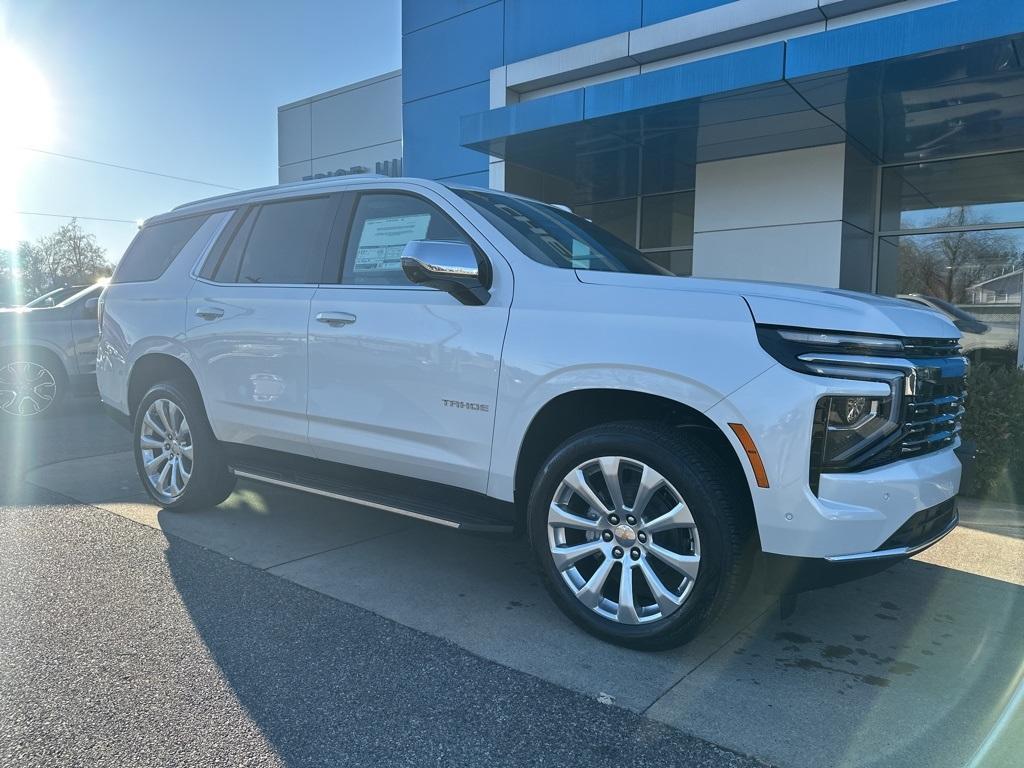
x=381, y=227
x=287, y=242
x=226, y=269
x=154, y=248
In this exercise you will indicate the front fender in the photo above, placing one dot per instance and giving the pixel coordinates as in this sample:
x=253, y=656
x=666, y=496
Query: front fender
x=514, y=422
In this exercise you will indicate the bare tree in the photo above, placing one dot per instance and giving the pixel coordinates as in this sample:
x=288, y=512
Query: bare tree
x=67, y=256
x=946, y=265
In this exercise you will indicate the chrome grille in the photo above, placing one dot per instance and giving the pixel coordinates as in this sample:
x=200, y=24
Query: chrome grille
x=932, y=423
x=913, y=347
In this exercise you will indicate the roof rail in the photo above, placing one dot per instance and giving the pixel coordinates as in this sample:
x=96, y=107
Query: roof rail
x=286, y=185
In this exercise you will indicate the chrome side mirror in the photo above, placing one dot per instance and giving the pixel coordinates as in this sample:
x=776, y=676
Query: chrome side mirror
x=448, y=266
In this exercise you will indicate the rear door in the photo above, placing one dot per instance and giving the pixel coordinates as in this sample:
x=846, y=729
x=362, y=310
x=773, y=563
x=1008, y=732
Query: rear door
x=247, y=320
x=403, y=378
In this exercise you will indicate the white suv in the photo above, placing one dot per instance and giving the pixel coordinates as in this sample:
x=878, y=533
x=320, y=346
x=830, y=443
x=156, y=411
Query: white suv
x=492, y=363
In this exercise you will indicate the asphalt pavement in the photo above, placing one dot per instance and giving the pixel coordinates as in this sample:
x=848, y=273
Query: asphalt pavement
x=121, y=645
x=284, y=629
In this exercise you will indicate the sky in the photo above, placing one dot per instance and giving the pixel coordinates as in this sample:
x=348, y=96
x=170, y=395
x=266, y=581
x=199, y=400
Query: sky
x=185, y=88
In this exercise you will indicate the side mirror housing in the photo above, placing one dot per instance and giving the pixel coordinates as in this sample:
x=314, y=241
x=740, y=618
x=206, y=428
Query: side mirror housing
x=91, y=310
x=448, y=266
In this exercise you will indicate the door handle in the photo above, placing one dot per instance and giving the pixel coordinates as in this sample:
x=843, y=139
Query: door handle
x=209, y=313
x=336, y=319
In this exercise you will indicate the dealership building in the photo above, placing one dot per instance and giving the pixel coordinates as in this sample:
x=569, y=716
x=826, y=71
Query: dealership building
x=863, y=144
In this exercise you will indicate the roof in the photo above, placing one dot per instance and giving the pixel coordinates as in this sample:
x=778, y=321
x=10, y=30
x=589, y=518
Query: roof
x=291, y=189
x=262, y=193
x=1014, y=273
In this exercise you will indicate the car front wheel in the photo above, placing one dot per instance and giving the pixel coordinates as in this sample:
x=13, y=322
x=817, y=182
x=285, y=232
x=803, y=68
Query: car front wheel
x=639, y=533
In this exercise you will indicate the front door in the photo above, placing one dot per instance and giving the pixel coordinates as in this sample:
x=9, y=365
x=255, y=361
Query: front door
x=403, y=379
x=246, y=322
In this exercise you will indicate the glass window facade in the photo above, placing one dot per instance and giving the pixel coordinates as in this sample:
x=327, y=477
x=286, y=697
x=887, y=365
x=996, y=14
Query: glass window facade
x=667, y=220
x=952, y=238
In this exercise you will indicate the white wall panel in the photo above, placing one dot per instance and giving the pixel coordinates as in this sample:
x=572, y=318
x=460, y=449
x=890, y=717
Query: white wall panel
x=797, y=253
x=798, y=186
x=293, y=142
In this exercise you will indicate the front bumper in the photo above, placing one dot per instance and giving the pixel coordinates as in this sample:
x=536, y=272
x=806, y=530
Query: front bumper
x=783, y=574
x=853, y=513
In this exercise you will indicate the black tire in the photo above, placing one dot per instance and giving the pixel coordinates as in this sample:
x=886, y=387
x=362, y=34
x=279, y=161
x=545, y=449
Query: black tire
x=708, y=487
x=53, y=367
x=211, y=481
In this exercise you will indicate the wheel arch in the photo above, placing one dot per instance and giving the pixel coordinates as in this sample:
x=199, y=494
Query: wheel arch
x=572, y=412
x=153, y=367
x=36, y=348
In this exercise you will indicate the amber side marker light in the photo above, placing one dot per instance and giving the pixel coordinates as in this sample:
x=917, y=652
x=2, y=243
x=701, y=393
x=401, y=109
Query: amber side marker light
x=752, y=455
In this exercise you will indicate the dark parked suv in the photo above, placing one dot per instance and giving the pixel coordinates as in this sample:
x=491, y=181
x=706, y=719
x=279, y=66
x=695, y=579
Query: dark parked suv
x=46, y=352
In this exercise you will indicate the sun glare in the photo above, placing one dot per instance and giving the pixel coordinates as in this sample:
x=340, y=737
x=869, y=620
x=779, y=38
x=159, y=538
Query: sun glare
x=27, y=119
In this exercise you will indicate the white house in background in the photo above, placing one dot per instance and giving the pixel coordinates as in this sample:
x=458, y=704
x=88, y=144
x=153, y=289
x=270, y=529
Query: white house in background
x=1005, y=289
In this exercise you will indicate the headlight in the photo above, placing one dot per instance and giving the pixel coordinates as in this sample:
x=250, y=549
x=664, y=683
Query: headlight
x=846, y=426
x=852, y=427
x=793, y=346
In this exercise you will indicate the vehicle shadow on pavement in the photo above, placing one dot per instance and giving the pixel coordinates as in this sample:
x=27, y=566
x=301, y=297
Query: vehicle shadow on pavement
x=914, y=666
x=329, y=684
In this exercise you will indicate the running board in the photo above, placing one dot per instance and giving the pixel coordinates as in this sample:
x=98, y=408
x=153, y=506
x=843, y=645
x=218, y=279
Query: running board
x=450, y=513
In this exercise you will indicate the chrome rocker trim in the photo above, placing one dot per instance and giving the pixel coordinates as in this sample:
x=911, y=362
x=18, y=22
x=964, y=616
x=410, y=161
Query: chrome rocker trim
x=342, y=497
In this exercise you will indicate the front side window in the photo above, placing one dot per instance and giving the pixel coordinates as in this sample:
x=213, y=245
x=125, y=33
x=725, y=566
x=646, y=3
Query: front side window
x=154, y=248
x=382, y=226
x=558, y=238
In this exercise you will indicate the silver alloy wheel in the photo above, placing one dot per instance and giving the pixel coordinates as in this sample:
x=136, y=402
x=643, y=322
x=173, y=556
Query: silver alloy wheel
x=615, y=511
x=26, y=388
x=166, y=445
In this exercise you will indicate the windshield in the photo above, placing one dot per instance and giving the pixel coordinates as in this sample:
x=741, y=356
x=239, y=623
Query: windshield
x=558, y=238
x=79, y=293
x=952, y=310
x=55, y=297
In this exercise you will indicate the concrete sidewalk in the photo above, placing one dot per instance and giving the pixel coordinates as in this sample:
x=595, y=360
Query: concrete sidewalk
x=916, y=666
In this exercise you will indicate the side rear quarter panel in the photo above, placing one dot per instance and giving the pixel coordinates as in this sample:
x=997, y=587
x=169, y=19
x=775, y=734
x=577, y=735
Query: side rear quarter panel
x=149, y=317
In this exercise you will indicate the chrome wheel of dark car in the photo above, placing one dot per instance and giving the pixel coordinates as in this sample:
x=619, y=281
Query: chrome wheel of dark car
x=27, y=388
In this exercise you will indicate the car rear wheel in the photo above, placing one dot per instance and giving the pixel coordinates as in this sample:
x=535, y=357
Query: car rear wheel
x=179, y=461
x=639, y=533
x=30, y=387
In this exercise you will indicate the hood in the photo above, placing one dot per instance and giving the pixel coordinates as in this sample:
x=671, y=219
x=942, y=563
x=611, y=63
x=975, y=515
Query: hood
x=30, y=314
x=15, y=311
x=802, y=306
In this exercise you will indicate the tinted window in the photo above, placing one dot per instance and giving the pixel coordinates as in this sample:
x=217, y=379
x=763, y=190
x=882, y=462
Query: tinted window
x=287, y=242
x=154, y=248
x=226, y=269
x=555, y=237
x=381, y=227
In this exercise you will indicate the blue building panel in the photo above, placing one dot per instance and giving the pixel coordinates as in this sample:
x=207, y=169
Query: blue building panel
x=431, y=129
x=533, y=27
x=417, y=14
x=755, y=66
x=479, y=179
x=521, y=118
x=663, y=10
x=905, y=34
x=452, y=54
